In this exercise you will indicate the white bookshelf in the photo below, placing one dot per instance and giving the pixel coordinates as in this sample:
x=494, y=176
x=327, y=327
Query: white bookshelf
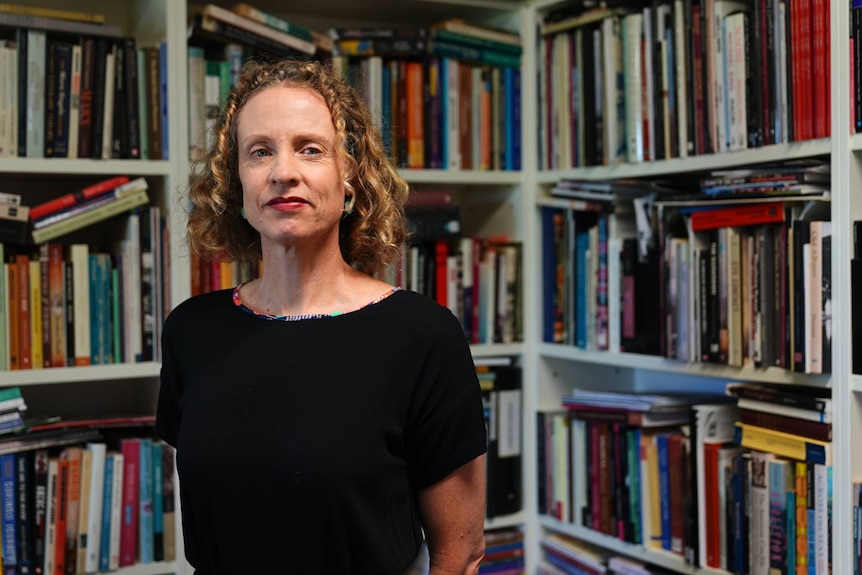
x=521, y=193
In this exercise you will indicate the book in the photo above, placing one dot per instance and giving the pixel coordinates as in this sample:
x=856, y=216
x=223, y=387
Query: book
x=13, y=20
x=804, y=427
x=738, y=215
x=14, y=224
x=494, y=34
x=783, y=444
x=131, y=451
x=253, y=13
x=225, y=16
x=119, y=205
x=91, y=204
x=94, y=540
x=799, y=396
x=501, y=388
x=71, y=199
x=74, y=15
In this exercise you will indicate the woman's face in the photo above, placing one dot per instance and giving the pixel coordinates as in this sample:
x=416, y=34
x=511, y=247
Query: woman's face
x=288, y=167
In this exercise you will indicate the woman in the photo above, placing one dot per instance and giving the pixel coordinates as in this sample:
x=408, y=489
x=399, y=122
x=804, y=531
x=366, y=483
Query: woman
x=322, y=418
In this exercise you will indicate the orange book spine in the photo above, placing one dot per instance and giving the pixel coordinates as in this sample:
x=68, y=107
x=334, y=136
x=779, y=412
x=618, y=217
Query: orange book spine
x=22, y=261
x=415, y=116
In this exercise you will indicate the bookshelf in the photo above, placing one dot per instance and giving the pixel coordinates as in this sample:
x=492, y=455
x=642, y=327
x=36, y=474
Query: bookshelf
x=498, y=201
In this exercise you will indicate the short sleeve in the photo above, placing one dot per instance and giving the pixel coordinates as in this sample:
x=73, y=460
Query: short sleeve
x=168, y=414
x=446, y=425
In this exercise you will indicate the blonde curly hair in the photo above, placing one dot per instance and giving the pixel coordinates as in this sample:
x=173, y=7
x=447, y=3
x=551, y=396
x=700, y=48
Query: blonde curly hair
x=370, y=236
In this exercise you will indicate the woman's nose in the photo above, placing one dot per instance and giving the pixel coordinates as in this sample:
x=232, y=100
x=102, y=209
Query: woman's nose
x=285, y=169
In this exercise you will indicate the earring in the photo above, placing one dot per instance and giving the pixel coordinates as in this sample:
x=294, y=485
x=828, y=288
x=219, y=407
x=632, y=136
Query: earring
x=348, y=205
x=242, y=213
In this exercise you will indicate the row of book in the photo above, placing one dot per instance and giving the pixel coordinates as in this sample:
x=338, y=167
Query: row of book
x=77, y=304
x=78, y=499
x=680, y=77
x=741, y=272
x=80, y=90
x=733, y=485
x=504, y=552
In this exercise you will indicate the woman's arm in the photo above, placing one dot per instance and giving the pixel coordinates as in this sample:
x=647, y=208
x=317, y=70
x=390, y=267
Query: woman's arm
x=453, y=517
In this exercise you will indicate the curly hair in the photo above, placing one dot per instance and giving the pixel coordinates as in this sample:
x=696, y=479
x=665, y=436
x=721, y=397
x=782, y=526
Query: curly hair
x=370, y=236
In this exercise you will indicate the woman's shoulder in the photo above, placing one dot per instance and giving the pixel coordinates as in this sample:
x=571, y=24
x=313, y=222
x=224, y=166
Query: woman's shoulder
x=201, y=305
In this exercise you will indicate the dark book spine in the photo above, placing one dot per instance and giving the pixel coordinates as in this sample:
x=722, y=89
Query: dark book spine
x=24, y=511
x=21, y=41
x=40, y=507
x=63, y=56
x=154, y=123
x=119, y=136
x=88, y=72
x=805, y=428
x=102, y=48
x=51, y=91
x=69, y=294
x=434, y=121
x=148, y=277
x=130, y=102
x=826, y=298
x=753, y=110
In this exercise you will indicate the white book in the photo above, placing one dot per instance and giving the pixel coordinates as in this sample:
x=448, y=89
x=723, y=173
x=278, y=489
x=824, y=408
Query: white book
x=822, y=483
x=615, y=250
x=374, y=87
x=714, y=423
x=36, y=54
x=94, y=514
x=132, y=289
x=197, y=103
x=721, y=8
x=75, y=101
x=108, y=115
x=681, y=52
x=579, y=471
x=632, y=32
x=116, y=508
x=78, y=254
x=614, y=95
x=759, y=521
x=6, y=76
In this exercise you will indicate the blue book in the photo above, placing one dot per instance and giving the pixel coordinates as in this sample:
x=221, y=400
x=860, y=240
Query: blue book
x=664, y=490
x=7, y=505
x=24, y=468
x=145, y=503
x=107, y=501
x=158, y=504
x=582, y=245
x=515, y=121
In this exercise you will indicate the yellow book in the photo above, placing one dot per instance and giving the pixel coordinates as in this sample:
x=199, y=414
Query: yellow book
x=651, y=499
x=86, y=478
x=783, y=444
x=801, y=470
x=36, y=348
x=92, y=17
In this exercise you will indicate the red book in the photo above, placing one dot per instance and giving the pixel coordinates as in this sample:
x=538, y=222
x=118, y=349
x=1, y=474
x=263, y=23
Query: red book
x=25, y=343
x=677, y=493
x=710, y=487
x=71, y=199
x=739, y=215
x=131, y=450
x=441, y=252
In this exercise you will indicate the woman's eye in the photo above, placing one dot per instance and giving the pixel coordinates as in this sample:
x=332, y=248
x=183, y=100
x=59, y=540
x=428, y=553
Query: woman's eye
x=259, y=153
x=312, y=151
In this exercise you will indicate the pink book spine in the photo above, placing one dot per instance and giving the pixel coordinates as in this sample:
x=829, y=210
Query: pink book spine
x=131, y=450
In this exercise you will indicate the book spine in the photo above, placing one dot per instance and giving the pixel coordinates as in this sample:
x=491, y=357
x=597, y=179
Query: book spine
x=40, y=496
x=229, y=18
x=273, y=21
x=158, y=502
x=8, y=496
x=130, y=101
x=8, y=20
x=145, y=502
x=806, y=428
x=103, y=212
x=131, y=450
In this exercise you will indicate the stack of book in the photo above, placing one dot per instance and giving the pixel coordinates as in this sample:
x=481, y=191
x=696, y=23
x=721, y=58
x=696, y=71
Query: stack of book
x=789, y=421
x=12, y=408
x=564, y=554
x=87, y=206
x=785, y=477
x=13, y=219
x=504, y=552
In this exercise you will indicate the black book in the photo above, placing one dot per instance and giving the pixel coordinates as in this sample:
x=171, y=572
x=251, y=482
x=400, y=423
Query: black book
x=801, y=396
x=132, y=144
x=103, y=47
x=503, y=397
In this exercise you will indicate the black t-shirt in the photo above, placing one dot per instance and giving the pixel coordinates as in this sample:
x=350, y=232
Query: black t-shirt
x=301, y=444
